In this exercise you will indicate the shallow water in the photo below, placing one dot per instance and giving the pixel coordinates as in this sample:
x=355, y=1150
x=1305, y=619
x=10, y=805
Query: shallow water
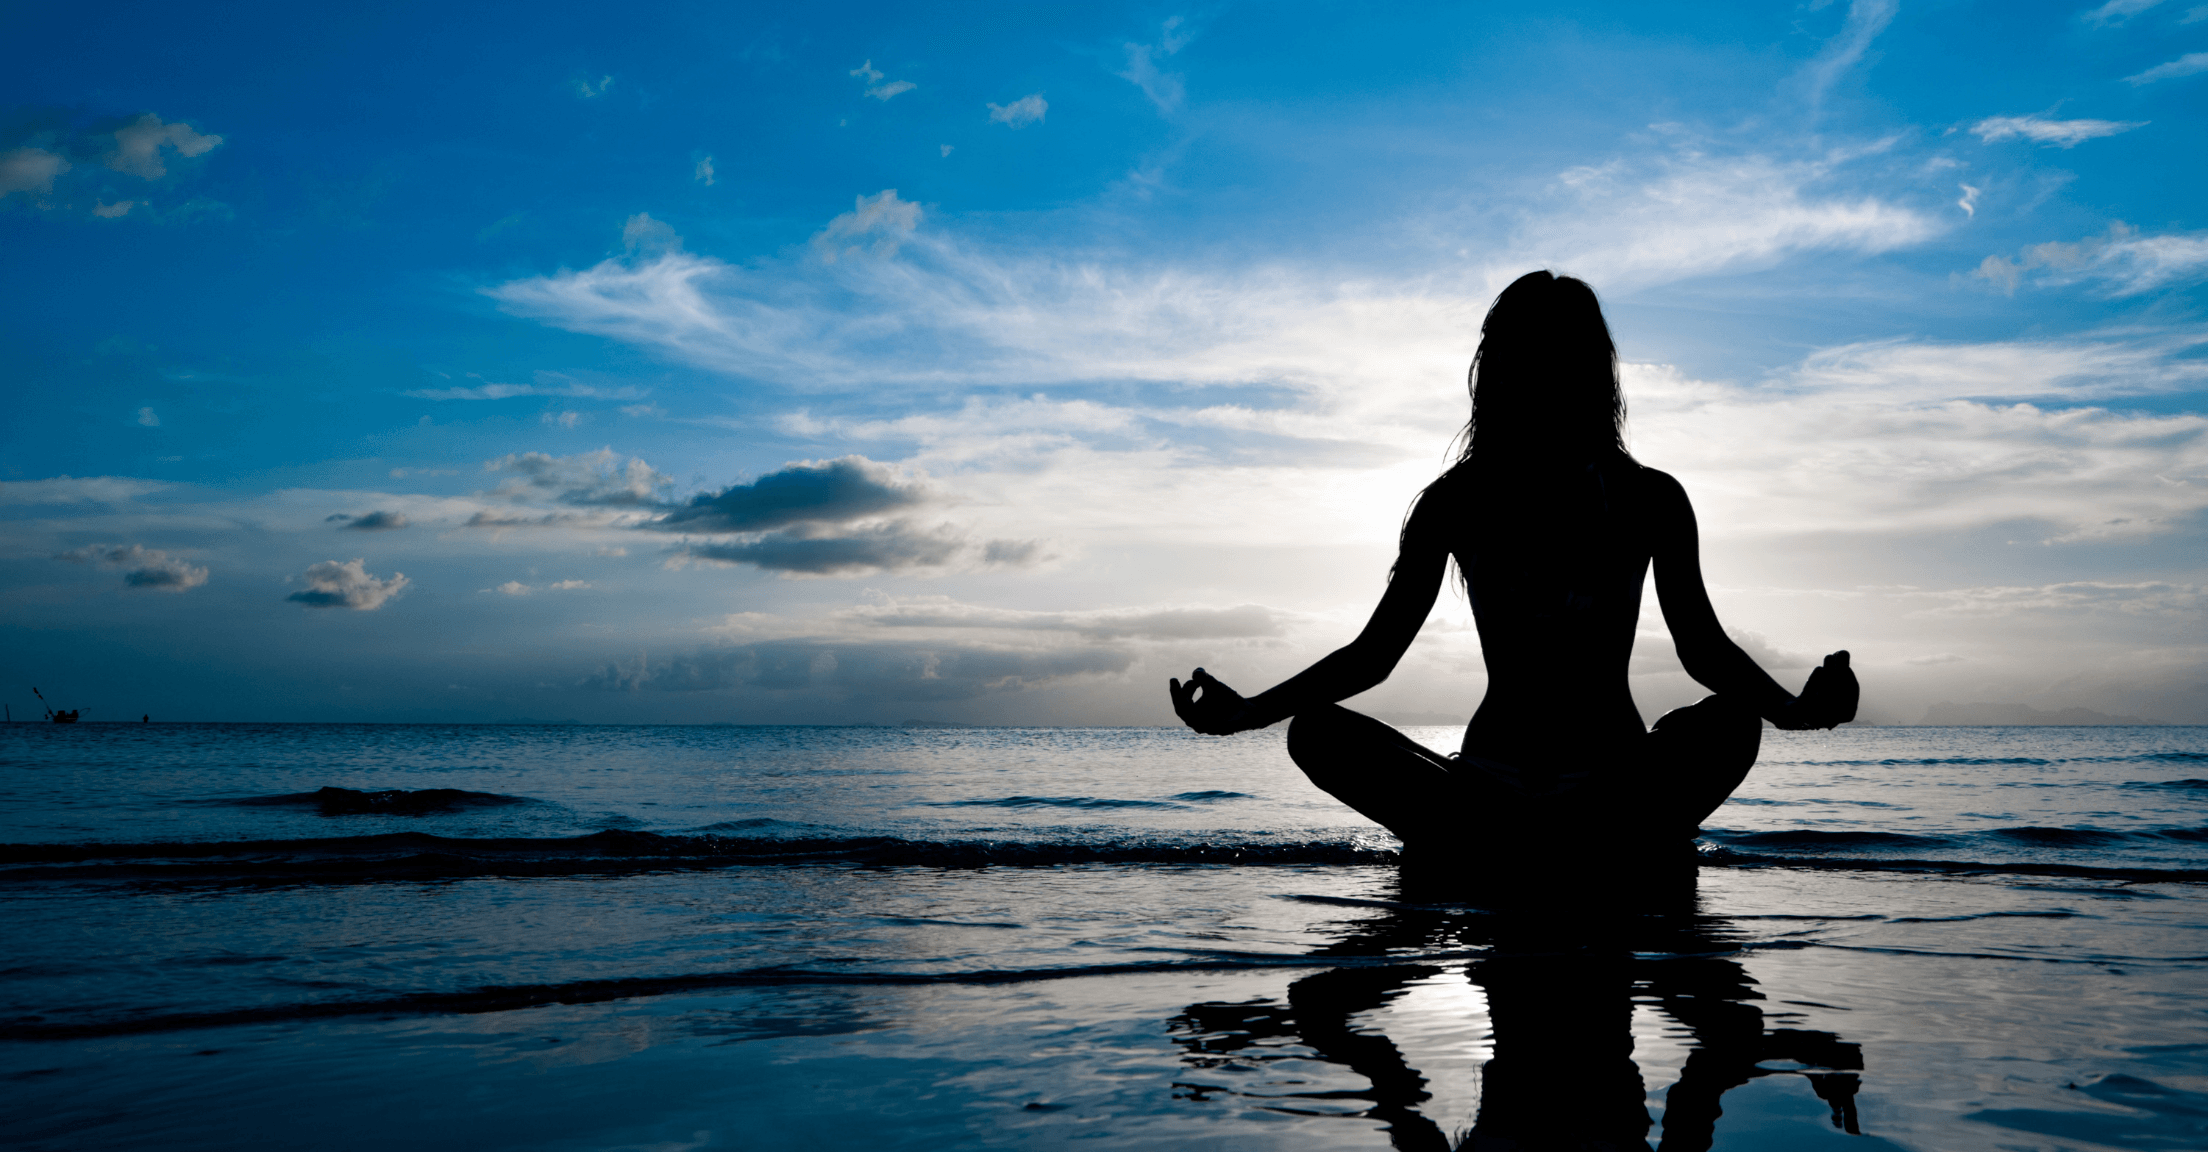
x=833, y=937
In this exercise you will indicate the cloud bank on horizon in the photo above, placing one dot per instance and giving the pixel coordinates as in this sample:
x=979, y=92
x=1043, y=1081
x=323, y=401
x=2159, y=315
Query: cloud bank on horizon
x=845, y=370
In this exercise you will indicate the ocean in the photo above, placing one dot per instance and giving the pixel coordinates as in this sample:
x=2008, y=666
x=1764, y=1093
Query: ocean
x=582, y=937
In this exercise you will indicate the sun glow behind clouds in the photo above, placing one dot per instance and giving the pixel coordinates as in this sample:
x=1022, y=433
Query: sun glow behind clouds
x=1006, y=391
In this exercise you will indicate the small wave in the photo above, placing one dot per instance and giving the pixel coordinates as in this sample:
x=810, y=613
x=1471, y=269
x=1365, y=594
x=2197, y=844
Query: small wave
x=1052, y=802
x=1814, y=839
x=754, y=824
x=1728, y=857
x=506, y=998
x=1210, y=794
x=2165, y=757
x=2188, y=785
x=412, y=856
x=2059, y=837
x=383, y=802
x=417, y=855
x=2054, y=914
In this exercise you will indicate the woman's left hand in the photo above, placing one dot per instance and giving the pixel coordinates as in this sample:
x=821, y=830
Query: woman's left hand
x=1218, y=711
x=1828, y=700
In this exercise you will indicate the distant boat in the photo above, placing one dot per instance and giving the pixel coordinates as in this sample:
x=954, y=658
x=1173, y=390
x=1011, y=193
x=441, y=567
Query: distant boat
x=57, y=715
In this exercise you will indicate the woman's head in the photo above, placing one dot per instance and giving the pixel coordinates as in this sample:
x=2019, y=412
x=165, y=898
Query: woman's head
x=1545, y=379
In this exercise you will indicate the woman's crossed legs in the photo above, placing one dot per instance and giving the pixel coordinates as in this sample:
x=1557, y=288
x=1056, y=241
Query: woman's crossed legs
x=1689, y=763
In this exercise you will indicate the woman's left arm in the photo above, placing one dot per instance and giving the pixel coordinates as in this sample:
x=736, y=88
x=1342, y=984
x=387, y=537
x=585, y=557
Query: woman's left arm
x=1346, y=671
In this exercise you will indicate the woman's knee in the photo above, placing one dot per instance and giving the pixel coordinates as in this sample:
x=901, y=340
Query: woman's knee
x=1715, y=715
x=1315, y=732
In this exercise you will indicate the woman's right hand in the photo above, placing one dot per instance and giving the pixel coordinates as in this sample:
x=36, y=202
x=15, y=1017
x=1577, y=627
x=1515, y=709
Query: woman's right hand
x=1217, y=711
x=1828, y=700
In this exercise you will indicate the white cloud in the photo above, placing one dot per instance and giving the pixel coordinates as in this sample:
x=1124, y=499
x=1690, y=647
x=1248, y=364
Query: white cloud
x=1688, y=213
x=511, y=588
x=2116, y=11
x=2060, y=133
x=2126, y=262
x=548, y=384
x=113, y=490
x=642, y=234
x=946, y=311
x=2142, y=599
x=2191, y=63
x=1866, y=440
x=148, y=568
x=347, y=584
x=138, y=146
x=566, y=585
x=147, y=418
x=703, y=173
x=1165, y=89
x=1866, y=19
x=586, y=479
x=875, y=87
x=562, y=419
x=882, y=217
x=1969, y=201
x=1174, y=622
x=589, y=91
x=1020, y=113
x=30, y=170
x=115, y=211
x=947, y=151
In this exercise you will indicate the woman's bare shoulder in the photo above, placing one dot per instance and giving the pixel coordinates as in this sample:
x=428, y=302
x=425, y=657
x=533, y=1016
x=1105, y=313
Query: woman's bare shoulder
x=1660, y=485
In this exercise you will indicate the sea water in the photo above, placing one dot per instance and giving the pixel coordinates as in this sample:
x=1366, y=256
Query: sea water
x=580, y=937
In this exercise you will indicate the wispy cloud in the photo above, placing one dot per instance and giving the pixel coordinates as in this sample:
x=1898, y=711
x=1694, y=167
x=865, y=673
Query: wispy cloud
x=112, y=490
x=2190, y=64
x=1020, y=113
x=881, y=218
x=1164, y=89
x=2124, y=261
x=547, y=384
x=1866, y=19
x=1240, y=622
x=875, y=86
x=2059, y=133
x=377, y=521
x=2116, y=11
x=947, y=310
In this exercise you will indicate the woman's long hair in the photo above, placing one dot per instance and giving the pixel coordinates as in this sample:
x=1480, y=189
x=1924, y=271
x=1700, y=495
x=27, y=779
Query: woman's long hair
x=1544, y=382
x=1545, y=378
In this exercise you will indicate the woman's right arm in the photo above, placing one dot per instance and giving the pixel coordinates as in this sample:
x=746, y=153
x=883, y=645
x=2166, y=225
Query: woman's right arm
x=1364, y=662
x=1707, y=653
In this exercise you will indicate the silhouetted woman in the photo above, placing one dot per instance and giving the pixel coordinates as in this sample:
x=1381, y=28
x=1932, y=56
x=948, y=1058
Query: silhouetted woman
x=1554, y=526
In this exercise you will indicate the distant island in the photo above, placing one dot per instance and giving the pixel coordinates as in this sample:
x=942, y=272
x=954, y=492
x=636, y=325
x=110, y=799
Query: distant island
x=1947, y=713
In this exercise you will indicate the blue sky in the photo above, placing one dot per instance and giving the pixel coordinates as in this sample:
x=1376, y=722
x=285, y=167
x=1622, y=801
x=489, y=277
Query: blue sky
x=987, y=363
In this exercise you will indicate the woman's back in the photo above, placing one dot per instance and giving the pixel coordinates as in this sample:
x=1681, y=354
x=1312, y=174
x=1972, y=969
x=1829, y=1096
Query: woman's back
x=1554, y=557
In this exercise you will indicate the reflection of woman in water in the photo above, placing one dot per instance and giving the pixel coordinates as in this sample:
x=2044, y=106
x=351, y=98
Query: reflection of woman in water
x=1554, y=526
